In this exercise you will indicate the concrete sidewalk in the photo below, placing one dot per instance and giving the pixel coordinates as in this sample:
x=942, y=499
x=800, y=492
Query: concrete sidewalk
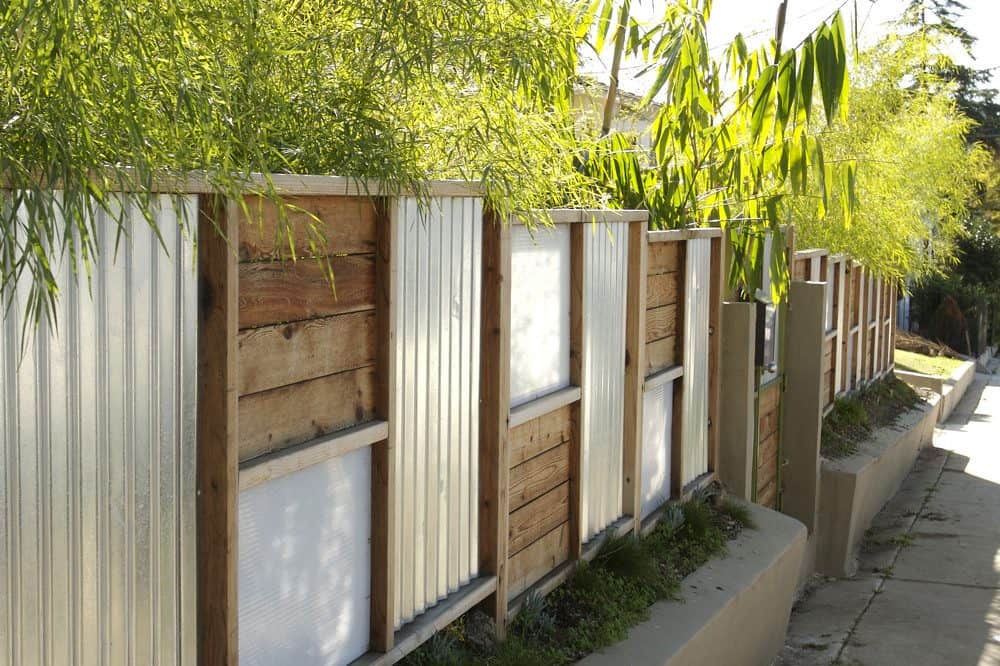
x=927, y=590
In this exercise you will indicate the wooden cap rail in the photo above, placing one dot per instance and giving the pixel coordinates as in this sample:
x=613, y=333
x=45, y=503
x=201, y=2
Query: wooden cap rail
x=669, y=235
x=578, y=216
x=200, y=182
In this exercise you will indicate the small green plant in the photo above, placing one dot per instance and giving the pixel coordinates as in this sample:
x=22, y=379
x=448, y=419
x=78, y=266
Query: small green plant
x=603, y=598
x=737, y=511
x=901, y=540
x=855, y=417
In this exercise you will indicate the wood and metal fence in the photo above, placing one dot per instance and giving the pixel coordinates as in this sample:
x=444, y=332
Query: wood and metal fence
x=859, y=321
x=459, y=419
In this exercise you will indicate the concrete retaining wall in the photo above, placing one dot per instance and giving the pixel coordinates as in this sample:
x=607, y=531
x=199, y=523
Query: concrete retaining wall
x=951, y=389
x=854, y=489
x=735, y=609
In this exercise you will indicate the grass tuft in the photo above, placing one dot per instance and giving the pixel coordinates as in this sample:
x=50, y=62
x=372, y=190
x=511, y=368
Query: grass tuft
x=603, y=598
x=738, y=511
x=855, y=417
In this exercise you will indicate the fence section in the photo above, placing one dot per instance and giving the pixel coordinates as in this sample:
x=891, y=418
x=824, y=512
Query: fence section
x=362, y=476
x=97, y=455
x=858, y=321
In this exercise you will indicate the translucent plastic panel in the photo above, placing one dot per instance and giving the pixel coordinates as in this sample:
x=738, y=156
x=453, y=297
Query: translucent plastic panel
x=305, y=565
x=658, y=416
x=539, y=304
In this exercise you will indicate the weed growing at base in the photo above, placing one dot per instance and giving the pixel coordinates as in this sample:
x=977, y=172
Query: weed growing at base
x=603, y=598
x=855, y=417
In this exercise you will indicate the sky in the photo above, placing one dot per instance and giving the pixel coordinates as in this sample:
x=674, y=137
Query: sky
x=755, y=20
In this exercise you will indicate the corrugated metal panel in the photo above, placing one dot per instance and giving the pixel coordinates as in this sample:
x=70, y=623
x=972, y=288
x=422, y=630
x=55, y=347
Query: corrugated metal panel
x=97, y=489
x=814, y=269
x=305, y=565
x=605, y=260
x=841, y=286
x=830, y=276
x=658, y=418
x=437, y=409
x=539, y=304
x=697, y=273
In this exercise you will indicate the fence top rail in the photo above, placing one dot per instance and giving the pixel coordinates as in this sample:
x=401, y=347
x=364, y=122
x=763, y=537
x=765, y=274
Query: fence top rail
x=200, y=182
x=578, y=216
x=673, y=235
x=811, y=253
x=838, y=258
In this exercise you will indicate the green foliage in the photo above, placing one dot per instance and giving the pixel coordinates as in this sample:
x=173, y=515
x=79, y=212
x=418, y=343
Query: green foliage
x=603, y=598
x=856, y=416
x=915, y=172
x=738, y=511
x=729, y=156
x=97, y=95
x=938, y=366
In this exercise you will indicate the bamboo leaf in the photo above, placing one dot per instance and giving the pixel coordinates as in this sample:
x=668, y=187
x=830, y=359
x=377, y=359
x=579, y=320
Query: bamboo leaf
x=807, y=70
x=763, y=96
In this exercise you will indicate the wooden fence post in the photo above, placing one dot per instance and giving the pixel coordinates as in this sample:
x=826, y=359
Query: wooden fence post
x=576, y=378
x=494, y=413
x=715, y=353
x=635, y=372
x=217, y=432
x=677, y=409
x=383, y=528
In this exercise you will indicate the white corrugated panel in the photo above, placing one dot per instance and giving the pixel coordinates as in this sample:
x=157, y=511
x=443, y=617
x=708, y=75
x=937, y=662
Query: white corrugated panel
x=830, y=276
x=657, y=414
x=539, y=304
x=305, y=565
x=97, y=457
x=697, y=275
x=814, y=269
x=436, y=442
x=605, y=262
x=842, y=314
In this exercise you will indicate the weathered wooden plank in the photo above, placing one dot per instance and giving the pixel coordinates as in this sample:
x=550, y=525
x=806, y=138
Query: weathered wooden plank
x=661, y=354
x=663, y=258
x=661, y=322
x=577, y=315
x=541, y=557
x=339, y=225
x=540, y=435
x=279, y=418
x=535, y=477
x=767, y=495
x=768, y=451
x=217, y=427
x=383, y=515
x=494, y=413
x=769, y=398
x=768, y=423
x=273, y=356
x=277, y=292
x=537, y=518
x=662, y=289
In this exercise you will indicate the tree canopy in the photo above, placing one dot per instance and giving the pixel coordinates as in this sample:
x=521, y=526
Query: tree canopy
x=916, y=173
x=96, y=94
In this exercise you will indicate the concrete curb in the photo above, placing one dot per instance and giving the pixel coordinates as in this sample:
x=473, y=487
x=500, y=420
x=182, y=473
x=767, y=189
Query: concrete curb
x=854, y=489
x=951, y=389
x=747, y=594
